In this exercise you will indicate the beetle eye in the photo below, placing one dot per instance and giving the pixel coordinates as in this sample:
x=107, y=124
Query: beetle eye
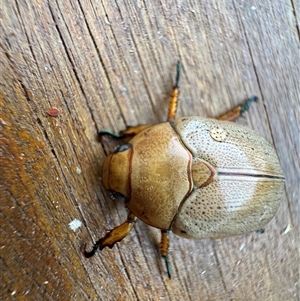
x=122, y=148
x=119, y=196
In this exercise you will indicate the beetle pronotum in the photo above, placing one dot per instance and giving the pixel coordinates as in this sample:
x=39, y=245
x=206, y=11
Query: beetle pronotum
x=197, y=177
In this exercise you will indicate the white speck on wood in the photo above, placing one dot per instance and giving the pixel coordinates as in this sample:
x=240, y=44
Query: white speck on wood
x=75, y=224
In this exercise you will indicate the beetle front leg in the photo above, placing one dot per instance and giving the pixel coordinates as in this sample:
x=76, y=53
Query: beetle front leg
x=113, y=236
x=129, y=132
x=134, y=130
x=238, y=110
x=164, y=247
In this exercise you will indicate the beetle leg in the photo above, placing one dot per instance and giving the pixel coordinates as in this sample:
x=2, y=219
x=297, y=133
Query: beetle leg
x=113, y=236
x=174, y=96
x=134, y=130
x=164, y=246
x=129, y=132
x=238, y=111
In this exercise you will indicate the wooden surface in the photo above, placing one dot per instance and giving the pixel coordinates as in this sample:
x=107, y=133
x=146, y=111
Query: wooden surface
x=109, y=64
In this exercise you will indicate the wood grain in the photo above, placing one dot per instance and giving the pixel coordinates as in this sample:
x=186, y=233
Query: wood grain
x=110, y=64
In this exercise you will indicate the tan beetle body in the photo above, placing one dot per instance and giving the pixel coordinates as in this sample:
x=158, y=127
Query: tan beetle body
x=200, y=178
x=197, y=177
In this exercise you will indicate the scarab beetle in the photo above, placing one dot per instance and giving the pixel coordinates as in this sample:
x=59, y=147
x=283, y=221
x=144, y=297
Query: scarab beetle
x=197, y=177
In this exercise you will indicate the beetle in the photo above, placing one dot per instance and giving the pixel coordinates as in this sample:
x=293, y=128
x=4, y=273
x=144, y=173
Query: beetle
x=197, y=177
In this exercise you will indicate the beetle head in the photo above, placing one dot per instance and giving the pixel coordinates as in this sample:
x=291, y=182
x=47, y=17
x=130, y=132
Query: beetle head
x=115, y=171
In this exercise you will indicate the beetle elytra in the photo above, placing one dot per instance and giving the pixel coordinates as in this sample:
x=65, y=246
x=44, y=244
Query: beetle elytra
x=197, y=177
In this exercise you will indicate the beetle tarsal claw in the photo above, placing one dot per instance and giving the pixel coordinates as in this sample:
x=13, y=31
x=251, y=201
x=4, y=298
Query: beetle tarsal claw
x=91, y=253
x=168, y=266
x=247, y=104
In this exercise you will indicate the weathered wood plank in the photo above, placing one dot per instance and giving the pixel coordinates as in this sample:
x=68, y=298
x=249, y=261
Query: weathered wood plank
x=112, y=64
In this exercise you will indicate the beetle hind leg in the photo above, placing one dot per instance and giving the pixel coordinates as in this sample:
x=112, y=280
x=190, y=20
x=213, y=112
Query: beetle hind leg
x=238, y=110
x=113, y=236
x=164, y=247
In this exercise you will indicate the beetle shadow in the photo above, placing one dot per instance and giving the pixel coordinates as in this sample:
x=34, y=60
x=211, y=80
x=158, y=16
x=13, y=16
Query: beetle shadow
x=149, y=238
x=110, y=143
